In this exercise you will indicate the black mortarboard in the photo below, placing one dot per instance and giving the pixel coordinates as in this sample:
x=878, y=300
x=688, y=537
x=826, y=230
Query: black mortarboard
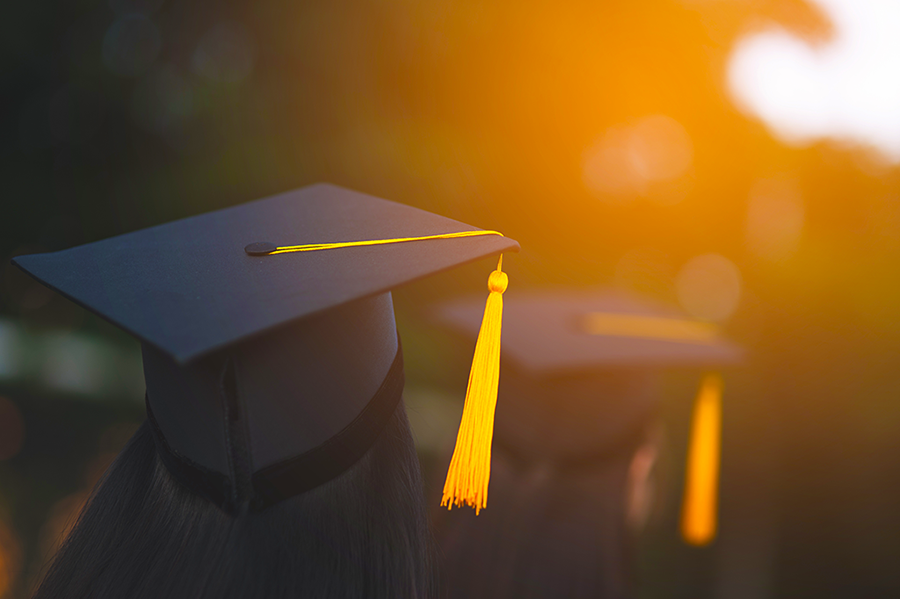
x=267, y=374
x=579, y=378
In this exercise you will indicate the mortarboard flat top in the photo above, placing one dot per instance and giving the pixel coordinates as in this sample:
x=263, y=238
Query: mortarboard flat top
x=189, y=288
x=549, y=332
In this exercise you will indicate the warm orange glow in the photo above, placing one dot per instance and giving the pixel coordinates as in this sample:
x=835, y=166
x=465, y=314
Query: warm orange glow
x=650, y=327
x=60, y=521
x=699, y=511
x=775, y=218
x=631, y=160
x=709, y=287
x=10, y=560
x=5, y=578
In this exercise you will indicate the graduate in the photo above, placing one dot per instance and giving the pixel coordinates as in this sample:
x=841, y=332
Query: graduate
x=575, y=439
x=276, y=460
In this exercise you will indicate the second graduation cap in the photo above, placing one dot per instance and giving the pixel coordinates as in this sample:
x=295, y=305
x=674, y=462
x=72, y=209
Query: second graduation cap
x=577, y=382
x=270, y=351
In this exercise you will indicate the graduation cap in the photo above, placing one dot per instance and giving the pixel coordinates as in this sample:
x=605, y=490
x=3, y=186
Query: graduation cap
x=578, y=381
x=270, y=350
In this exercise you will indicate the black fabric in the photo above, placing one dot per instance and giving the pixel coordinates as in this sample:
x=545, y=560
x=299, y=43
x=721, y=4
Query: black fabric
x=237, y=438
x=292, y=476
x=576, y=417
x=340, y=452
x=207, y=483
x=288, y=391
x=188, y=287
x=623, y=444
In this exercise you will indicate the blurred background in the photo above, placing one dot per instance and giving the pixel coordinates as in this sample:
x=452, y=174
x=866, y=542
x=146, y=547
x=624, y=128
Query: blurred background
x=736, y=157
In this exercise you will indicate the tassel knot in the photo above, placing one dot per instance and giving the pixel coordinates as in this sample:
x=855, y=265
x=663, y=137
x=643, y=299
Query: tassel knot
x=498, y=281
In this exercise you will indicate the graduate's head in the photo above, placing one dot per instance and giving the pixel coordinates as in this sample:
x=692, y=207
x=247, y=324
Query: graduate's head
x=281, y=413
x=576, y=436
x=276, y=452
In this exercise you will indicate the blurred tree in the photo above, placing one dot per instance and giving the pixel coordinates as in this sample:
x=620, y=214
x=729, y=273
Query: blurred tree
x=599, y=134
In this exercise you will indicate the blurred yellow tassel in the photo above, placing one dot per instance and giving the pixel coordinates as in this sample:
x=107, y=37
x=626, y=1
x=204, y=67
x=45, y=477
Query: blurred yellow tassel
x=470, y=468
x=698, y=516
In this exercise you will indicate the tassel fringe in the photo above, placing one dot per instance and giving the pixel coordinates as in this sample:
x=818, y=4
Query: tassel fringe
x=470, y=467
x=699, y=510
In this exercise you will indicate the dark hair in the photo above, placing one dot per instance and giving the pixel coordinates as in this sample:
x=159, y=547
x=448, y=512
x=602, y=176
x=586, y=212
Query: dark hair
x=550, y=530
x=557, y=521
x=143, y=535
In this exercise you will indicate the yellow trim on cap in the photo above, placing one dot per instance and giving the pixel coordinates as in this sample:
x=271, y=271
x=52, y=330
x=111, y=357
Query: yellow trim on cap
x=312, y=247
x=649, y=327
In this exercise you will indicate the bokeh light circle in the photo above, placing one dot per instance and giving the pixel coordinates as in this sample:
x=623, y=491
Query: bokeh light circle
x=225, y=54
x=162, y=100
x=659, y=148
x=130, y=7
x=775, y=219
x=629, y=159
x=131, y=45
x=709, y=287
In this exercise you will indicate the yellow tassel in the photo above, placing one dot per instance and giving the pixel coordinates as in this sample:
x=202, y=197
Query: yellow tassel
x=698, y=517
x=470, y=468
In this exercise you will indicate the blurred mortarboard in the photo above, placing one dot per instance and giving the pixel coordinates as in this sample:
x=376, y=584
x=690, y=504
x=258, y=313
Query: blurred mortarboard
x=579, y=380
x=238, y=323
x=554, y=332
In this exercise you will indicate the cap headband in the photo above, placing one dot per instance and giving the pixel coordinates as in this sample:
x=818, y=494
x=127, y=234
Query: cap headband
x=294, y=475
